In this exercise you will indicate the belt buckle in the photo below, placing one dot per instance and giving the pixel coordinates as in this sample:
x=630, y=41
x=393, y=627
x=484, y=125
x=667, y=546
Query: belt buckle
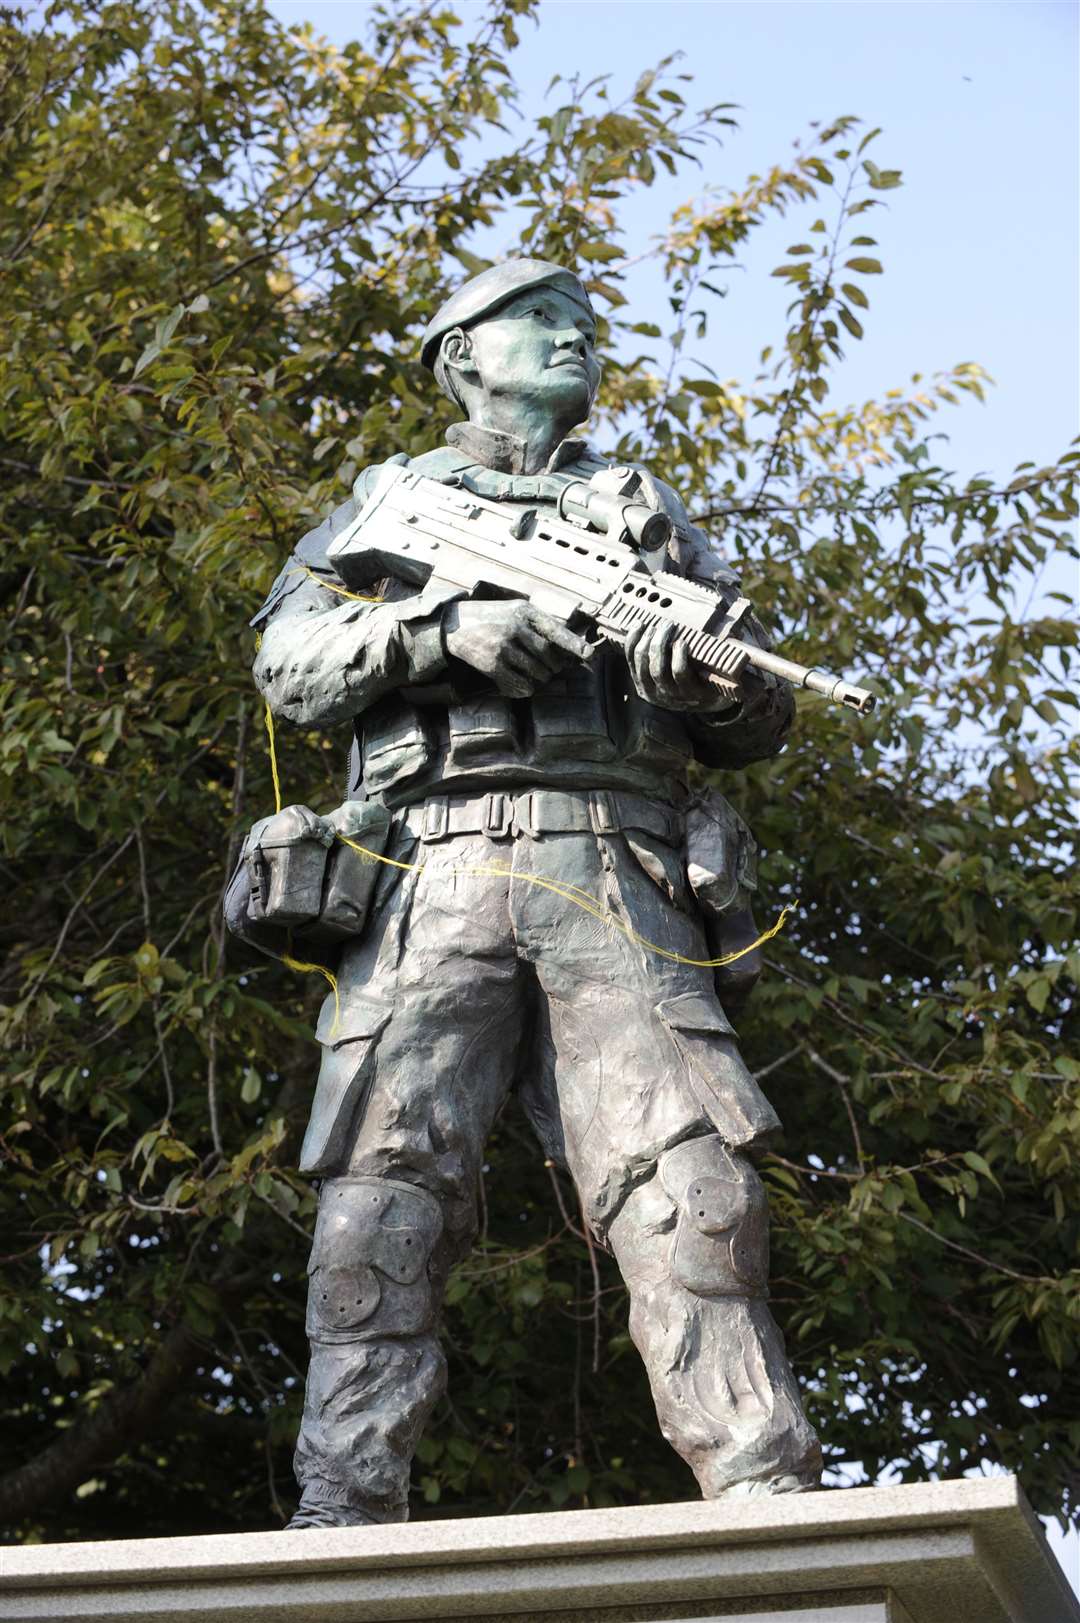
x=602, y=812
x=676, y=828
x=436, y=818
x=522, y=817
x=497, y=816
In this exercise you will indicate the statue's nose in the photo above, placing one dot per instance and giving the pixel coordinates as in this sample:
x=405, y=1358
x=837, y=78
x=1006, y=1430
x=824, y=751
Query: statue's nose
x=570, y=338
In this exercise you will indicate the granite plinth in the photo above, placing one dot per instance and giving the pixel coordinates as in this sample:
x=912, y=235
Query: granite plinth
x=951, y=1552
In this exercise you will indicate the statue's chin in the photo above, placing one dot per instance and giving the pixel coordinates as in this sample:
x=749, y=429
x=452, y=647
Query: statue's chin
x=571, y=392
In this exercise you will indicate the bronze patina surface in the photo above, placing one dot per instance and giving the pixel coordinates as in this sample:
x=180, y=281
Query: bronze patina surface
x=508, y=753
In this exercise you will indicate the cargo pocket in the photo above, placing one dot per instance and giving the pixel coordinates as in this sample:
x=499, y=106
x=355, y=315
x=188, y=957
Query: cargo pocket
x=349, y=1047
x=723, y=1086
x=663, y=864
x=399, y=743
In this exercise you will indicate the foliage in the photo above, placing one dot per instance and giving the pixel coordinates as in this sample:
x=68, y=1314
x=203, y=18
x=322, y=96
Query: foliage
x=220, y=243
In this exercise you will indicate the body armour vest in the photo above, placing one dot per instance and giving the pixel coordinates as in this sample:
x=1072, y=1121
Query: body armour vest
x=587, y=729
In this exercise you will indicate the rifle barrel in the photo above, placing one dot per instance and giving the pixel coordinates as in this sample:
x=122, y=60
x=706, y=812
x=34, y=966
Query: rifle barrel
x=805, y=676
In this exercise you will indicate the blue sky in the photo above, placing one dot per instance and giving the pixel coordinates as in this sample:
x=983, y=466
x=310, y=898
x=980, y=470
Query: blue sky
x=979, y=106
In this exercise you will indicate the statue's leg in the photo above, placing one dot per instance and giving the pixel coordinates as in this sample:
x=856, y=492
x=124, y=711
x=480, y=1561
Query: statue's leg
x=376, y=1368
x=423, y=1053
x=692, y=1244
x=639, y=1066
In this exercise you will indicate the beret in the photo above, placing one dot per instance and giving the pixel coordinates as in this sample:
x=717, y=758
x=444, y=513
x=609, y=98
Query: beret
x=481, y=295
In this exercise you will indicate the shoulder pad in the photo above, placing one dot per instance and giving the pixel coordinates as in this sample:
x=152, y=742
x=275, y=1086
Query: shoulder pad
x=702, y=558
x=309, y=558
x=441, y=463
x=364, y=482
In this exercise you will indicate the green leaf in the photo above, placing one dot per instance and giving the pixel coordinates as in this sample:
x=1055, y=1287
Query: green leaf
x=149, y=354
x=882, y=179
x=849, y=321
x=868, y=267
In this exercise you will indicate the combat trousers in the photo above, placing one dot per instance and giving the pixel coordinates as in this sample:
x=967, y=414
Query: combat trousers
x=472, y=976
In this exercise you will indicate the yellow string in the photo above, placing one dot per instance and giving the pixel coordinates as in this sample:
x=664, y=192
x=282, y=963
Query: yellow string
x=317, y=969
x=269, y=719
x=581, y=898
x=357, y=597
x=570, y=893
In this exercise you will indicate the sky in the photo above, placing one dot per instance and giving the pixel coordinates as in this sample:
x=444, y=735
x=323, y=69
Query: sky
x=980, y=108
x=978, y=103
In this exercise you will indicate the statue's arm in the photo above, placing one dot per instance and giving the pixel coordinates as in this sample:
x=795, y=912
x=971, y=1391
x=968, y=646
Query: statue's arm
x=324, y=656
x=325, y=659
x=760, y=724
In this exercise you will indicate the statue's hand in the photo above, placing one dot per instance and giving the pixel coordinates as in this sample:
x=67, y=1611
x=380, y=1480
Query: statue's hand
x=664, y=672
x=519, y=647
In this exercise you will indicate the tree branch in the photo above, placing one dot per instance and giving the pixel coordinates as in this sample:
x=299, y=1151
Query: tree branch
x=123, y=1418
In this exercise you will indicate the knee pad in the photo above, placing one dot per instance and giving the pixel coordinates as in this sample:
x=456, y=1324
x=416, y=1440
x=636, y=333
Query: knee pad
x=721, y=1242
x=368, y=1272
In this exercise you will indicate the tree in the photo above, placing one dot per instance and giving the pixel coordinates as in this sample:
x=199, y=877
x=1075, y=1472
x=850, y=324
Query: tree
x=220, y=242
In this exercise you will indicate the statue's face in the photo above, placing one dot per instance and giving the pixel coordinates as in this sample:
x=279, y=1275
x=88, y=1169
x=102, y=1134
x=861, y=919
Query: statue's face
x=539, y=347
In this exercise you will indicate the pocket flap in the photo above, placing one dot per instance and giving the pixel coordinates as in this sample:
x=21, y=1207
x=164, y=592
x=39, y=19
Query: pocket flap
x=695, y=1012
x=365, y=821
x=727, y=1091
x=359, y=1017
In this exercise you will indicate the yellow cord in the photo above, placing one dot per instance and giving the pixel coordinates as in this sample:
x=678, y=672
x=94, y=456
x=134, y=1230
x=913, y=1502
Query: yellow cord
x=581, y=898
x=269, y=718
x=570, y=893
x=356, y=597
x=317, y=969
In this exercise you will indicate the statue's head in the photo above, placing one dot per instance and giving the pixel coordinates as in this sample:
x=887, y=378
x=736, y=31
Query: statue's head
x=521, y=335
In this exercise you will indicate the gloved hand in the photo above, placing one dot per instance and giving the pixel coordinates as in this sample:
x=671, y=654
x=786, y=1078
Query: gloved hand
x=518, y=646
x=665, y=674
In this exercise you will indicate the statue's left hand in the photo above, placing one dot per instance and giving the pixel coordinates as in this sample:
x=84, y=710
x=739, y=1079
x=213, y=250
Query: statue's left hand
x=664, y=672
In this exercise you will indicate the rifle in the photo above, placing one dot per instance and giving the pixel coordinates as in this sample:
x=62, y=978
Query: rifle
x=583, y=563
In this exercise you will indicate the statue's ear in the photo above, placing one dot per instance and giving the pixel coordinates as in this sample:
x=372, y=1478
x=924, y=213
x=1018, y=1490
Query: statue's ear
x=456, y=352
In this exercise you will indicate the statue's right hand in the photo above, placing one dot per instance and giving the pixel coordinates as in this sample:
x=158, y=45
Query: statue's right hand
x=518, y=646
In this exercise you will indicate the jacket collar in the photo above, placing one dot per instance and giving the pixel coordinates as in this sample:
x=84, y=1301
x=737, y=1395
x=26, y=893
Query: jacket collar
x=506, y=452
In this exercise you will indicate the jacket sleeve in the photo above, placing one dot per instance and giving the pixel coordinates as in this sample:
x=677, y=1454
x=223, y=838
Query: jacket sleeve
x=752, y=730
x=325, y=655
x=759, y=725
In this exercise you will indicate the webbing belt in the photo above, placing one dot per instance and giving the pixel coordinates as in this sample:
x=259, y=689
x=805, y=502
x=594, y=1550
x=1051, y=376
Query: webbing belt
x=536, y=812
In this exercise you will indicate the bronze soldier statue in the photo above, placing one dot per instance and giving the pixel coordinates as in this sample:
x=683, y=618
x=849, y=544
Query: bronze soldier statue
x=506, y=754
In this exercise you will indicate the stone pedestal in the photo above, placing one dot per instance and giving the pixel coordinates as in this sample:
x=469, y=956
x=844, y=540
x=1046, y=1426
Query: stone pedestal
x=948, y=1552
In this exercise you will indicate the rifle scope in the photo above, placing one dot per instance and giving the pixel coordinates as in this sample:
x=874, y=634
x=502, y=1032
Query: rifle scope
x=633, y=522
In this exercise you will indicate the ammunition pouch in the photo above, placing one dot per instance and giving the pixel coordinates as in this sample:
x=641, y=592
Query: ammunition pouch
x=297, y=884
x=721, y=866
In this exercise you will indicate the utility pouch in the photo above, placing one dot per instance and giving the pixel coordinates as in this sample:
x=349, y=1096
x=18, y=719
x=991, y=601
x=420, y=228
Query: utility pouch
x=350, y=877
x=285, y=857
x=296, y=882
x=721, y=866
